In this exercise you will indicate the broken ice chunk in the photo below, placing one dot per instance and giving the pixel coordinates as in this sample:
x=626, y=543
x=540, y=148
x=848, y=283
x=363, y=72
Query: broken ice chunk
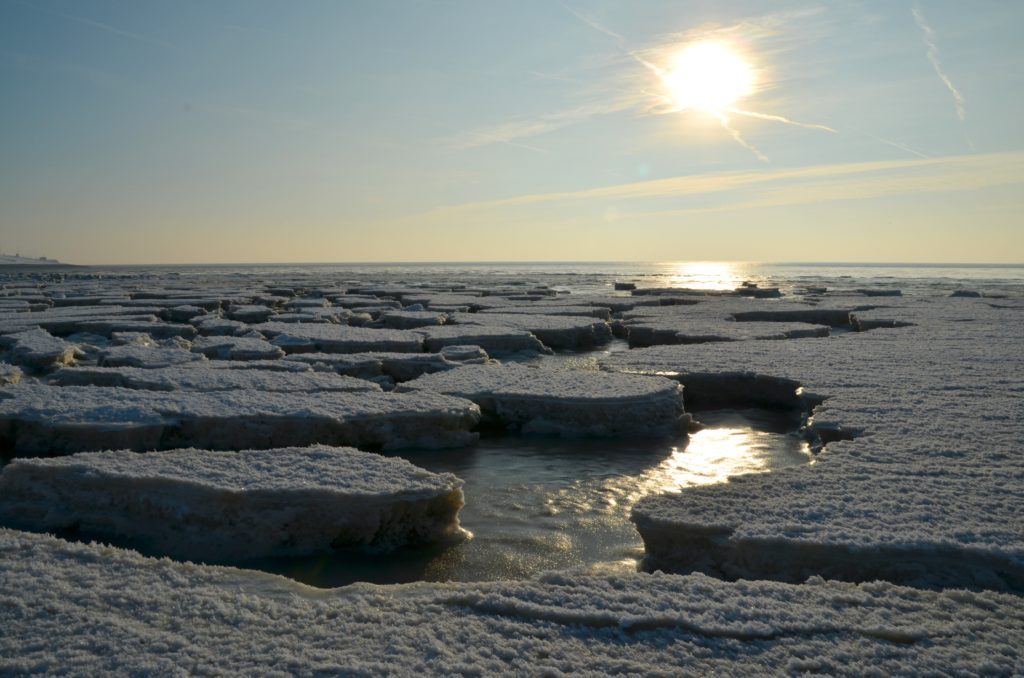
x=205, y=377
x=208, y=505
x=236, y=348
x=564, y=402
x=38, y=349
x=50, y=420
x=493, y=339
x=329, y=338
x=555, y=331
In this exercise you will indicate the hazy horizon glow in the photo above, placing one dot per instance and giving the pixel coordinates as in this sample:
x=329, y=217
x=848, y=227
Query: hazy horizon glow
x=594, y=130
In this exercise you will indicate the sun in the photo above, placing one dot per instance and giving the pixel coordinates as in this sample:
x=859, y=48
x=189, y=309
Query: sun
x=708, y=76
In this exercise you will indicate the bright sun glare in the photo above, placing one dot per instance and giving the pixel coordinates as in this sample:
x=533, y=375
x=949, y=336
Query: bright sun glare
x=708, y=76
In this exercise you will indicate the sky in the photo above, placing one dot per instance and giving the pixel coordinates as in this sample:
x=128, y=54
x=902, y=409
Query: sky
x=216, y=131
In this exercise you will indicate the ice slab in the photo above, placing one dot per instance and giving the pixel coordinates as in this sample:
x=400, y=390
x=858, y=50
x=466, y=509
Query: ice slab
x=327, y=338
x=497, y=341
x=91, y=610
x=50, y=420
x=922, y=433
x=236, y=348
x=204, y=377
x=158, y=330
x=405, y=320
x=37, y=349
x=555, y=331
x=227, y=506
x=398, y=366
x=215, y=326
x=148, y=356
x=567, y=403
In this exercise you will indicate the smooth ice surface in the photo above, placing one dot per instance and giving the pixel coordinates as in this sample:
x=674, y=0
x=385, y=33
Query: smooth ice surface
x=91, y=609
x=567, y=403
x=47, y=420
x=207, y=505
x=924, y=493
x=203, y=377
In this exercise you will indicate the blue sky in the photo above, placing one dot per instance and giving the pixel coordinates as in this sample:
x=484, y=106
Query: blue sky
x=164, y=132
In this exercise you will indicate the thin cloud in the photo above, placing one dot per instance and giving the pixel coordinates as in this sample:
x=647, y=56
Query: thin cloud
x=100, y=26
x=933, y=57
x=739, y=190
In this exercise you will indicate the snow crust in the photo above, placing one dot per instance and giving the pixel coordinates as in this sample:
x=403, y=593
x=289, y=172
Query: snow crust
x=330, y=338
x=496, y=340
x=555, y=331
x=227, y=506
x=46, y=420
x=204, y=377
x=90, y=609
x=567, y=403
x=918, y=478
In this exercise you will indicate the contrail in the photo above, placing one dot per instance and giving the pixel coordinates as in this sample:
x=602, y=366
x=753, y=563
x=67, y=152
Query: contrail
x=593, y=24
x=933, y=57
x=894, y=144
x=724, y=120
x=779, y=118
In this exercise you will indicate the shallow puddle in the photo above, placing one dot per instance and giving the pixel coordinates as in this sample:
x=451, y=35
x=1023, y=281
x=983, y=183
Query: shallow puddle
x=535, y=503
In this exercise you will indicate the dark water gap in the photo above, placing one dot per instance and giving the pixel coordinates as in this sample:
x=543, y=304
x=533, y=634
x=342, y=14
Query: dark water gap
x=544, y=503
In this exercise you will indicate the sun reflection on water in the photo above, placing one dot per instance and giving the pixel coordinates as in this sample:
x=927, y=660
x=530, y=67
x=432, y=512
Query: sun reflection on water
x=703, y=275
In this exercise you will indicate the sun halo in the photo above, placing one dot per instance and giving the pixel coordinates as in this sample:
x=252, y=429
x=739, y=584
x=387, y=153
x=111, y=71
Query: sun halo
x=708, y=76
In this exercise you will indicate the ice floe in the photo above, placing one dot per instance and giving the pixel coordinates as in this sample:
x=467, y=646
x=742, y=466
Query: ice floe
x=204, y=377
x=554, y=331
x=567, y=403
x=229, y=506
x=329, y=338
x=49, y=420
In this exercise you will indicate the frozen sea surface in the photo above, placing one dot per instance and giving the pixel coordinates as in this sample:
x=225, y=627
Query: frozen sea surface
x=913, y=429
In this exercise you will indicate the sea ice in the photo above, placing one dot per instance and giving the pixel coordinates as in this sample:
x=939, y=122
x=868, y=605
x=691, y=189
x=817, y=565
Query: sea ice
x=567, y=403
x=204, y=377
x=236, y=348
x=497, y=341
x=37, y=349
x=90, y=609
x=329, y=338
x=916, y=483
x=208, y=505
x=555, y=331
x=49, y=420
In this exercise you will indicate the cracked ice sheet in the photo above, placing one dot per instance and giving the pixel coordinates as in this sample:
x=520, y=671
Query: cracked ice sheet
x=90, y=609
x=568, y=403
x=230, y=506
x=927, y=483
x=203, y=377
x=50, y=420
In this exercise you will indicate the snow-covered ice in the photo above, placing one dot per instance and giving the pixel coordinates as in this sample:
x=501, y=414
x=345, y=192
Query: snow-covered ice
x=330, y=338
x=90, y=610
x=555, y=331
x=49, y=420
x=496, y=340
x=924, y=493
x=204, y=377
x=236, y=348
x=37, y=349
x=228, y=506
x=567, y=403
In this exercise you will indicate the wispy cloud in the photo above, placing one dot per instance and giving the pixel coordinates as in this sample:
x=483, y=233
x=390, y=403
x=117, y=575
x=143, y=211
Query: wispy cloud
x=747, y=190
x=931, y=43
x=85, y=21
